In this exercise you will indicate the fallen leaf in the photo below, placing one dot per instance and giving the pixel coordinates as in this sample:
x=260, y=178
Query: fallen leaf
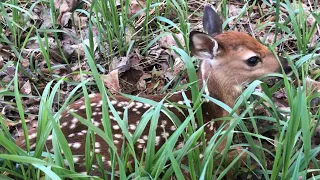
x=26, y=88
x=168, y=40
x=65, y=6
x=136, y=6
x=111, y=81
x=122, y=64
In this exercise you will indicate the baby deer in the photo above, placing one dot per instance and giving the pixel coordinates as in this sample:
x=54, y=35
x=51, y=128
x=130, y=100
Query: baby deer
x=229, y=60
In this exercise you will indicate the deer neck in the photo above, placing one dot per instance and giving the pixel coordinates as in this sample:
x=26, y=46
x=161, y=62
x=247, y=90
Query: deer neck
x=219, y=87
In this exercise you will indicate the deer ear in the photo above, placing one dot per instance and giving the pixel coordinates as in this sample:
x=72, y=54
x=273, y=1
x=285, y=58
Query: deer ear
x=212, y=24
x=203, y=46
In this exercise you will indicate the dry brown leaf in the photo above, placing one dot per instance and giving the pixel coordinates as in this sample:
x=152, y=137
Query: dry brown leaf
x=314, y=85
x=65, y=18
x=141, y=85
x=65, y=6
x=25, y=63
x=129, y=32
x=10, y=123
x=177, y=68
x=122, y=64
x=168, y=41
x=136, y=6
x=111, y=81
x=135, y=57
x=78, y=49
x=26, y=88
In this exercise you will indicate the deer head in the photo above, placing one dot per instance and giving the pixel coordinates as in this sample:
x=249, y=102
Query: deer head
x=230, y=60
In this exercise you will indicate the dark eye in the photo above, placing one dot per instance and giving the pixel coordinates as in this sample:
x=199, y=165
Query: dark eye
x=253, y=61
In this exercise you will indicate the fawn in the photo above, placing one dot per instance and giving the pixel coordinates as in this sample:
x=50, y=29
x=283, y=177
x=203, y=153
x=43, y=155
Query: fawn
x=229, y=60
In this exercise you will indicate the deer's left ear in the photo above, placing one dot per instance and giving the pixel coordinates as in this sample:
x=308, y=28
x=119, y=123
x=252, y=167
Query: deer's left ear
x=203, y=46
x=212, y=24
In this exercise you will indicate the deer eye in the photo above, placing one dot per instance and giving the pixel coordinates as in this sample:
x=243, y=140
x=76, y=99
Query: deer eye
x=253, y=61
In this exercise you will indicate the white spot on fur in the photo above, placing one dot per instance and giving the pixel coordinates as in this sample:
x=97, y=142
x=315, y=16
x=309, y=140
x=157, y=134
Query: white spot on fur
x=157, y=140
x=97, y=150
x=79, y=133
x=71, y=135
x=145, y=137
x=92, y=95
x=164, y=122
x=145, y=106
x=125, y=103
x=173, y=128
x=140, y=146
x=165, y=134
x=93, y=104
x=79, y=102
x=76, y=159
x=64, y=124
x=168, y=105
x=141, y=141
x=211, y=126
x=74, y=120
x=115, y=127
x=131, y=105
x=73, y=110
x=72, y=126
x=118, y=136
x=116, y=141
x=82, y=107
x=113, y=102
x=109, y=163
x=84, y=173
x=139, y=105
x=132, y=126
x=96, y=123
x=76, y=145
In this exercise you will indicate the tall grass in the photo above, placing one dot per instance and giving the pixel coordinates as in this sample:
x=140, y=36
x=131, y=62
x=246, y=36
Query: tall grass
x=292, y=155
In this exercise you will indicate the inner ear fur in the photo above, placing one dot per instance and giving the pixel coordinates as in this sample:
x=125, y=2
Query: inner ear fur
x=202, y=45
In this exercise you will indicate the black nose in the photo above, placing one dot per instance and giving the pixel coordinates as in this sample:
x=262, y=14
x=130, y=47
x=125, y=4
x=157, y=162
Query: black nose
x=285, y=65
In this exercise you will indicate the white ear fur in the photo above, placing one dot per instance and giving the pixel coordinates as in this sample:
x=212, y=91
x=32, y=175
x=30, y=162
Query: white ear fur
x=215, y=47
x=201, y=46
